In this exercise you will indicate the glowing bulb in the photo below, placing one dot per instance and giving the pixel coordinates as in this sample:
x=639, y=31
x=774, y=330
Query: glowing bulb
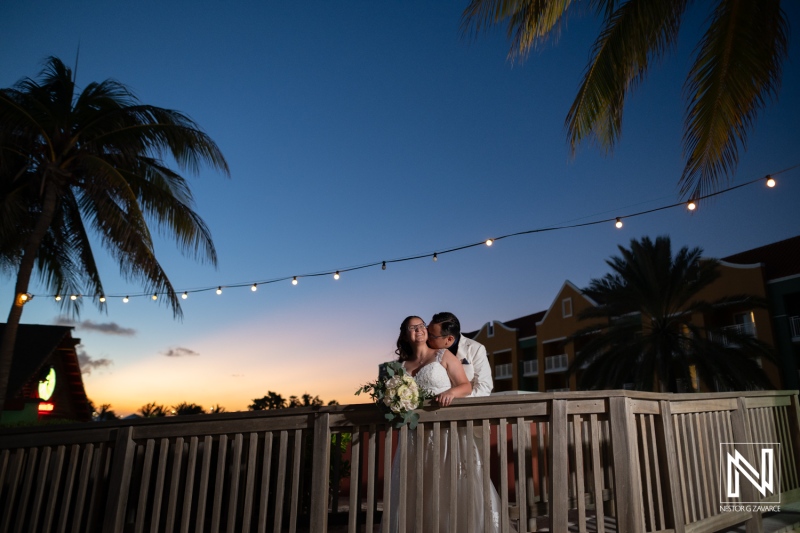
x=619, y=223
x=254, y=288
x=185, y=295
x=102, y=299
x=294, y=280
x=58, y=297
x=383, y=266
x=770, y=182
x=73, y=297
x=691, y=206
x=219, y=290
x=155, y=296
x=336, y=275
x=23, y=297
x=125, y=300
x=435, y=257
x=489, y=242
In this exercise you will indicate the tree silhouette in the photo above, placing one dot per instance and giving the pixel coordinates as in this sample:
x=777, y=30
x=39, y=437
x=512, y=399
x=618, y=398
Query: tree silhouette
x=152, y=410
x=185, y=408
x=649, y=336
x=272, y=400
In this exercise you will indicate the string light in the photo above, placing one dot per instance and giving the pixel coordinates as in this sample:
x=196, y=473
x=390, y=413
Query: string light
x=24, y=297
x=254, y=287
x=155, y=297
x=102, y=299
x=691, y=205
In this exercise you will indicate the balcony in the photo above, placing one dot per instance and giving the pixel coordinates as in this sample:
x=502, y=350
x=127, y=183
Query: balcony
x=504, y=371
x=794, y=322
x=556, y=363
x=746, y=329
x=628, y=462
x=530, y=368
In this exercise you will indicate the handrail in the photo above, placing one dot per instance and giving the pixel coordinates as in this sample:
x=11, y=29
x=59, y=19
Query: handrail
x=645, y=460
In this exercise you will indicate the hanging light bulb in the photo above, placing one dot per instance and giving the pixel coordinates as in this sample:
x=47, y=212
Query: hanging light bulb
x=125, y=300
x=102, y=299
x=383, y=266
x=294, y=280
x=185, y=295
x=691, y=206
x=219, y=290
x=618, y=224
x=770, y=181
x=24, y=297
x=155, y=297
x=336, y=275
x=58, y=297
x=254, y=288
x=435, y=257
x=489, y=242
x=73, y=297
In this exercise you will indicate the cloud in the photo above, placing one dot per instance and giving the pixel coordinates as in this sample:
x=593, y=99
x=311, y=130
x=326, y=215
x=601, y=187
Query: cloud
x=237, y=375
x=179, y=352
x=87, y=363
x=109, y=328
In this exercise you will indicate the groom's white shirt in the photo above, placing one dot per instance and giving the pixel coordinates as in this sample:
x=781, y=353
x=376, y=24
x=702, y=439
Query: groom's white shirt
x=481, y=375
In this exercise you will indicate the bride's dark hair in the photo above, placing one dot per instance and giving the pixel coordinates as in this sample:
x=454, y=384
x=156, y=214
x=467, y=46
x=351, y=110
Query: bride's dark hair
x=404, y=349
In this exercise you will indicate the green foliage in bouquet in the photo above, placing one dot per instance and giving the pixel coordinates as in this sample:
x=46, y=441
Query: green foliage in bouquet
x=396, y=392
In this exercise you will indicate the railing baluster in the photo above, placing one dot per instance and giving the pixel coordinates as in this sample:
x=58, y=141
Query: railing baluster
x=15, y=471
x=296, y=457
x=188, y=492
x=419, y=489
x=559, y=463
x=219, y=483
x=454, y=466
x=41, y=481
x=266, y=464
x=233, y=491
x=280, y=481
x=202, y=493
x=69, y=481
x=626, y=466
x=580, y=489
x=83, y=483
x=321, y=468
x=175, y=479
x=249, y=497
x=355, y=479
x=597, y=472
x=371, y=473
x=27, y=485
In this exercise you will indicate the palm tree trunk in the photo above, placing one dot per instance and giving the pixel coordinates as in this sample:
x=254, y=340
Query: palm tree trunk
x=21, y=287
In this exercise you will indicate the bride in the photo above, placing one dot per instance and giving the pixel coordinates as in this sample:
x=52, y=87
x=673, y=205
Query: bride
x=441, y=373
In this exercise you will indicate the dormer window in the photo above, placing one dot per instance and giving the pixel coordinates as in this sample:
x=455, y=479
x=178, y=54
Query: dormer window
x=566, y=307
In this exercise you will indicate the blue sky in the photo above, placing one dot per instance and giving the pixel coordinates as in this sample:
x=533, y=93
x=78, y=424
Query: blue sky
x=368, y=131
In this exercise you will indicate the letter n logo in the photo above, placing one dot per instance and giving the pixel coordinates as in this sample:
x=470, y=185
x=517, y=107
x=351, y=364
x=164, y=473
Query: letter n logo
x=765, y=479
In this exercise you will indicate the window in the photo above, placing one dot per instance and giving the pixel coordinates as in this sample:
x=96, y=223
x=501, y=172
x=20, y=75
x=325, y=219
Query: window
x=566, y=307
x=490, y=329
x=504, y=371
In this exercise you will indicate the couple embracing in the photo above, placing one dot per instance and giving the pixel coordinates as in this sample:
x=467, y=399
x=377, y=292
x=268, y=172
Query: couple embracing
x=450, y=366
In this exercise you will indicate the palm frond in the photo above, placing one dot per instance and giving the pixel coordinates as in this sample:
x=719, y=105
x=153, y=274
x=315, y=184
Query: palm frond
x=736, y=71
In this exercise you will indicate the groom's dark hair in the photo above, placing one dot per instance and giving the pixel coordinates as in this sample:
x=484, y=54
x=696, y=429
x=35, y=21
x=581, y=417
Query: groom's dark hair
x=448, y=322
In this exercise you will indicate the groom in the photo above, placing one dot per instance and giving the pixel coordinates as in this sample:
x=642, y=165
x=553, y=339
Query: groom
x=444, y=331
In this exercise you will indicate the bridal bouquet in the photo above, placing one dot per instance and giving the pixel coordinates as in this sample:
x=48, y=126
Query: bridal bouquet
x=396, y=392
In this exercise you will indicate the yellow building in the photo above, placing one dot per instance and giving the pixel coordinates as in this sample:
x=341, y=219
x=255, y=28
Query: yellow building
x=534, y=352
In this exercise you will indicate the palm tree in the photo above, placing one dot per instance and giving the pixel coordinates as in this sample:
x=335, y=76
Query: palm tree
x=152, y=410
x=272, y=400
x=646, y=306
x=185, y=408
x=70, y=162
x=736, y=70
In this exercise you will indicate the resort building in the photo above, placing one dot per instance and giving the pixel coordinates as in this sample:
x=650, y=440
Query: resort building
x=533, y=352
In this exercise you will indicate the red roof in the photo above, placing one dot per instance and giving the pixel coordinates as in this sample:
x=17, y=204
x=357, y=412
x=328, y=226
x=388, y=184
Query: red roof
x=780, y=259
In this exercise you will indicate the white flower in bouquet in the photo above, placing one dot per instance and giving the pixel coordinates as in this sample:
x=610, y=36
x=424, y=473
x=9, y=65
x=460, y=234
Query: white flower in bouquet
x=397, y=391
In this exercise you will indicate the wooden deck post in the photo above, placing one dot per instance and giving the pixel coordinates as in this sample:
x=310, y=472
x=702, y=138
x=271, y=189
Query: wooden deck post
x=741, y=433
x=119, y=481
x=627, y=478
x=320, y=473
x=559, y=467
x=674, y=507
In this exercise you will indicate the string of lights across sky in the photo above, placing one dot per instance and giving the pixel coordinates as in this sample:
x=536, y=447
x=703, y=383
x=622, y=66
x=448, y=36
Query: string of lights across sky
x=691, y=205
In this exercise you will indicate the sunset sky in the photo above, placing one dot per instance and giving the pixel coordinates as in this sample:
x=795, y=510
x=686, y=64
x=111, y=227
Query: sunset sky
x=361, y=132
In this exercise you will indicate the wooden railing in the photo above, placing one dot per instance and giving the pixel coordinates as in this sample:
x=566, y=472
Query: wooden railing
x=580, y=461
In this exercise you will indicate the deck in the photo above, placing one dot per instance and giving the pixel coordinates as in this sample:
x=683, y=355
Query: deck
x=604, y=461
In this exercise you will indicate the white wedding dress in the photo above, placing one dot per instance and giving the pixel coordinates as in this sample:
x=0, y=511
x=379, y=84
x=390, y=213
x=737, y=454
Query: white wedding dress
x=435, y=379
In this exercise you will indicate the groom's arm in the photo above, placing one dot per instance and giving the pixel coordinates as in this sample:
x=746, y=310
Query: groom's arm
x=482, y=384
